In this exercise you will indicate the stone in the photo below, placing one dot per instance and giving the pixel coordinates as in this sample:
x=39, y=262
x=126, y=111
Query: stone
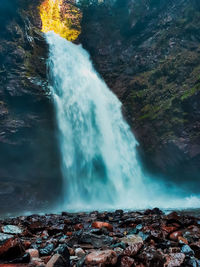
x=36, y=226
x=139, y=227
x=149, y=256
x=3, y=239
x=47, y=250
x=173, y=217
x=118, y=250
x=71, y=251
x=37, y=262
x=104, y=257
x=132, y=250
x=192, y=262
x=78, y=226
x=187, y=250
x=100, y=225
x=119, y=213
x=174, y=250
x=34, y=253
x=26, y=244
x=182, y=240
x=65, y=252
x=74, y=258
x=174, y=259
x=155, y=211
x=57, y=261
x=10, y=248
x=131, y=239
x=174, y=236
x=92, y=239
x=54, y=229
x=169, y=229
x=11, y=229
x=120, y=245
x=127, y=262
x=144, y=236
x=196, y=248
x=79, y=252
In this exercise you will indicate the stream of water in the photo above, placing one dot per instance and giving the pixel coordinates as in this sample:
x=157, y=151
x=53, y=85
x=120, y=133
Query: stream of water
x=98, y=149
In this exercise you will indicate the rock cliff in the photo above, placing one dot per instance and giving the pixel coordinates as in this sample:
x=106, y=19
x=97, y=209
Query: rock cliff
x=148, y=53
x=29, y=159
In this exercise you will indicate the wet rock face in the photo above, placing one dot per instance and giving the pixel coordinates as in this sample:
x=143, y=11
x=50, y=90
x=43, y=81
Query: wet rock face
x=29, y=154
x=37, y=245
x=148, y=54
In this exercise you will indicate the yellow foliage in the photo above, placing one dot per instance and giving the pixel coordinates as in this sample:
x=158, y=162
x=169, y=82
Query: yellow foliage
x=63, y=19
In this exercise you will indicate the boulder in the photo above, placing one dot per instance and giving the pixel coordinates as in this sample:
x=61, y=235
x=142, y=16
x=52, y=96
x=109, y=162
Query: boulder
x=131, y=239
x=11, y=229
x=100, y=225
x=10, y=247
x=104, y=257
x=91, y=239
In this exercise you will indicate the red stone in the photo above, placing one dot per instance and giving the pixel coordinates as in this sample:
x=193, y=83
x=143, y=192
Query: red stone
x=173, y=216
x=69, y=233
x=78, y=226
x=100, y=225
x=7, y=243
x=174, y=236
x=184, y=240
x=10, y=247
x=169, y=229
x=26, y=244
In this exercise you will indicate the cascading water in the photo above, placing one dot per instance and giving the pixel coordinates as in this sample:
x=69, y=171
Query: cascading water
x=99, y=162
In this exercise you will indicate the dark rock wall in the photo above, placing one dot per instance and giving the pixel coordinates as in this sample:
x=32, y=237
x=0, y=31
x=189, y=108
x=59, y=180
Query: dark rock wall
x=148, y=52
x=29, y=160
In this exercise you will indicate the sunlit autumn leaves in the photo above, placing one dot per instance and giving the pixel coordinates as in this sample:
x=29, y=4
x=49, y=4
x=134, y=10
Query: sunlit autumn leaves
x=64, y=19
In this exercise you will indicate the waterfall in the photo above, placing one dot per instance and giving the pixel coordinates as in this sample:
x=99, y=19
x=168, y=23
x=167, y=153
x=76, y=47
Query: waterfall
x=98, y=149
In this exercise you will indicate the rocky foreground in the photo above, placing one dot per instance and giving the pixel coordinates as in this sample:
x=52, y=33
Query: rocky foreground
x=149, y=238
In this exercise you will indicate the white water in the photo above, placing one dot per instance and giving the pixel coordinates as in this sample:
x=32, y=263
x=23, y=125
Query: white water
x=99, y=162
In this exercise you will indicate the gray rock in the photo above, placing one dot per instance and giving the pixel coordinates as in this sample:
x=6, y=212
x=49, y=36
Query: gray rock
x=11, y=229
x=187, y=250
x=47, y=250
